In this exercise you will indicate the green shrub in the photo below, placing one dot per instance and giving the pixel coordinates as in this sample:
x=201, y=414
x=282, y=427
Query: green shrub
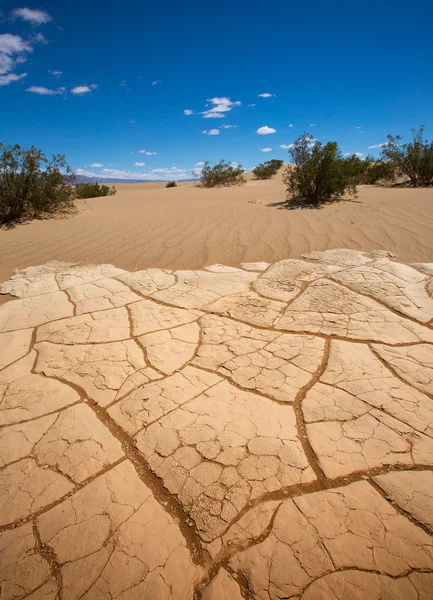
x=318, y=174
x=355, y=169
x=223, y=173
x=267, y=169
x=93, y=190
x=171, y=184
x=413, y=160
x=31, y=185
x=378, y=170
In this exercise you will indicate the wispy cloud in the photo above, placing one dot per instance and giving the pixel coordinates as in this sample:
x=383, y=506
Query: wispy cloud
x=378, y=145
x=266, y=149
x=10, y=78
x=96, y=165
x=211, y=131
x=55, y=74
x=313, y=124
x=122, y=83
x=188, y=111
x=156, y=174
x=265, y=130
x=221, y=106
x=227, y=126
x=33, y=16
x=147, y=152
x=139, y=164
x=266, y=95
x=38, y=38
x=199, y=164
x=43, y=91
x=169, y=170
x=358, y=127
x=12, y=52
x=287, y=146
x=80, y=90
x=355, y=153
x=251, y=104
x=156, y=82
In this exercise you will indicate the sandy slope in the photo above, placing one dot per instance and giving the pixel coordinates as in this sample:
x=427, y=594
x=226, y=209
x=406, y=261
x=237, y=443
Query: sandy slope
x=187, y=227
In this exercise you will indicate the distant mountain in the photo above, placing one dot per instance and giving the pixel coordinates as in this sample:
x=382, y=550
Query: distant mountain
x=84, y=179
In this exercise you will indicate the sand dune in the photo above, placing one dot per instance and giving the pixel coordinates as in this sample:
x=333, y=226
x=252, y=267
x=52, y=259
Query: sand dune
x=146, y=225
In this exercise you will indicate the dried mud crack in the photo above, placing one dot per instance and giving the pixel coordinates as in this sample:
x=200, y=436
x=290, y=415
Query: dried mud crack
x=261, y=433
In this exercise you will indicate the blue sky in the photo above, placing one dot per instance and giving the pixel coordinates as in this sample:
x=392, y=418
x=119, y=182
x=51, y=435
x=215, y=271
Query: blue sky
x=108, y=83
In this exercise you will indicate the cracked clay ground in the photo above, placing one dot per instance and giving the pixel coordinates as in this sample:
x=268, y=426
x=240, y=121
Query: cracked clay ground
x=262, y=433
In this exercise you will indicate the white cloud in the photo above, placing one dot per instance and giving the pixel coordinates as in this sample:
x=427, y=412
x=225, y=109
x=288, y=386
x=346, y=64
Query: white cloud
x=12, y=48
x=358, y=127
x=213, y=132
x=56, y=74
x=221, y=105
x=290, y=124
x=265, y=130
x=169, y=170
x=251, y=104
x=156, y=82
x=147, y=153
x=85, y=173
x=139, y=164
x=266, y=95
x=199, y=164
x=35, y=17
x=166, y=174
x=214, y=115
x=313, y=125
x=287, y=146
x=96, y=165
x=13, y=44
x=7, y=79
x=355, y=153
x=39, y=38
x=122, y=83
x=187, y=112
x=266, y=149
x=378, y=145
x=227, y=126
x=79, y=90
x=43, y=91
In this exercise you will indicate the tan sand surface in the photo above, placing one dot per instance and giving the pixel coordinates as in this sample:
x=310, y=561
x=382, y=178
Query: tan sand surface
x=218, y=434
x=146, y=225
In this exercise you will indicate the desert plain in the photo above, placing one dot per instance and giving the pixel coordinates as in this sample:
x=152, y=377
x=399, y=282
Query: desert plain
x=146, y=225
x=205, y=395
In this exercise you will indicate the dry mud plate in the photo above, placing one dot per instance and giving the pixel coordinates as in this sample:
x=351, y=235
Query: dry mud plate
x=264, y=432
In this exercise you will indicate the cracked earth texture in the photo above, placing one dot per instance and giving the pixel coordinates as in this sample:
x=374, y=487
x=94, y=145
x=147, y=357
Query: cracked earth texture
x=262, y=433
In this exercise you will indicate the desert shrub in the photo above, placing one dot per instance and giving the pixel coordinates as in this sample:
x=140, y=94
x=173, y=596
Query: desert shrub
x=32, y=185
x=267, y=169
x=171, y=184
x=94, y=190
x=355, y=169
x=377, y=170
x=318, y=174
x=223, y=173
x=413, y=160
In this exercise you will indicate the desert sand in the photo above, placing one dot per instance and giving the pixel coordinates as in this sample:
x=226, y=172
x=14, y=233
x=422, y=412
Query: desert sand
x=146, y=225
x=261, y=433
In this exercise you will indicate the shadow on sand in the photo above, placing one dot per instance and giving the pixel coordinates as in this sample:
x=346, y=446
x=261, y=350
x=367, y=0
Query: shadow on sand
x=292, y=205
